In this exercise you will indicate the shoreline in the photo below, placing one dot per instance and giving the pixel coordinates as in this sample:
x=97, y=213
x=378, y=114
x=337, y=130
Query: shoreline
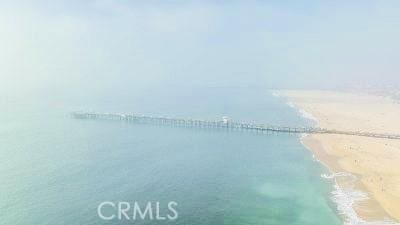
x=354, y=192
x=353, y=203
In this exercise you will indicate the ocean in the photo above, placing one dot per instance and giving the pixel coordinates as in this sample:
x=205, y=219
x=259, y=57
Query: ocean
x=56, y=170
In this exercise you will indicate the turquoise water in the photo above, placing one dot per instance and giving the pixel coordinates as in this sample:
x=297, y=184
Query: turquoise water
x=57, y=170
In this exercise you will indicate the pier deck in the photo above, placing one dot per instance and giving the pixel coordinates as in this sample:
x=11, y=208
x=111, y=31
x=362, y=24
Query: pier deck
x=222, y=124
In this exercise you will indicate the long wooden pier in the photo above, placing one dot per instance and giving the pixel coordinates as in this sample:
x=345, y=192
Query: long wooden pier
x=222, y=124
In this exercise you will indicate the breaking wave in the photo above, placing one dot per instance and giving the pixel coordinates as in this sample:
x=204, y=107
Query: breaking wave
x=346, y=198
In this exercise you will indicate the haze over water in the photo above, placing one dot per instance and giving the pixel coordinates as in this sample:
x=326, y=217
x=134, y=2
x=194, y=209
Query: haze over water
x=191, y=59
x=58, y=169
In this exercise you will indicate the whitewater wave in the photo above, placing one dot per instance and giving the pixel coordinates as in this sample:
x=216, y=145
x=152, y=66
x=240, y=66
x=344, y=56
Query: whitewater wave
x=339, y=174
x=308, y=116
x=291, y=105
x=346, y=198
x=275, y=94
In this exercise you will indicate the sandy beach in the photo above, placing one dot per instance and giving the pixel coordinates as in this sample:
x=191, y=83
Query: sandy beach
x=369, y=167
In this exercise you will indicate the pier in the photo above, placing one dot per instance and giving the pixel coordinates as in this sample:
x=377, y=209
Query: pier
x=222, y=124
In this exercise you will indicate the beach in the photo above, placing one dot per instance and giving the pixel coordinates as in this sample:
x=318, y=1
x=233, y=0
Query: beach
x=366, y=171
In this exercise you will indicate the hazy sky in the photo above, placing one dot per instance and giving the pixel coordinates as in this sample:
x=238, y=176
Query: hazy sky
x=65, y=46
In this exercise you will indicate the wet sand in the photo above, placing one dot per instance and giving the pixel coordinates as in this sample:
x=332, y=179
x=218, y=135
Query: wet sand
x=374, y=162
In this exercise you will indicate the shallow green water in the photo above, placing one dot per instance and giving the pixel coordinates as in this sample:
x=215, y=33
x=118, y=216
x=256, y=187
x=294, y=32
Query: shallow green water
x=56, y=170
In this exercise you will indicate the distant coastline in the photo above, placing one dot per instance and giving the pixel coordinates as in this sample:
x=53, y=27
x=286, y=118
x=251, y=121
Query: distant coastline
x=365, y=191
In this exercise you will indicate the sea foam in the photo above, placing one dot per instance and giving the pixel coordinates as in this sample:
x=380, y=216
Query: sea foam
x=306, y=115
x=275, y=94
x=346, y=198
